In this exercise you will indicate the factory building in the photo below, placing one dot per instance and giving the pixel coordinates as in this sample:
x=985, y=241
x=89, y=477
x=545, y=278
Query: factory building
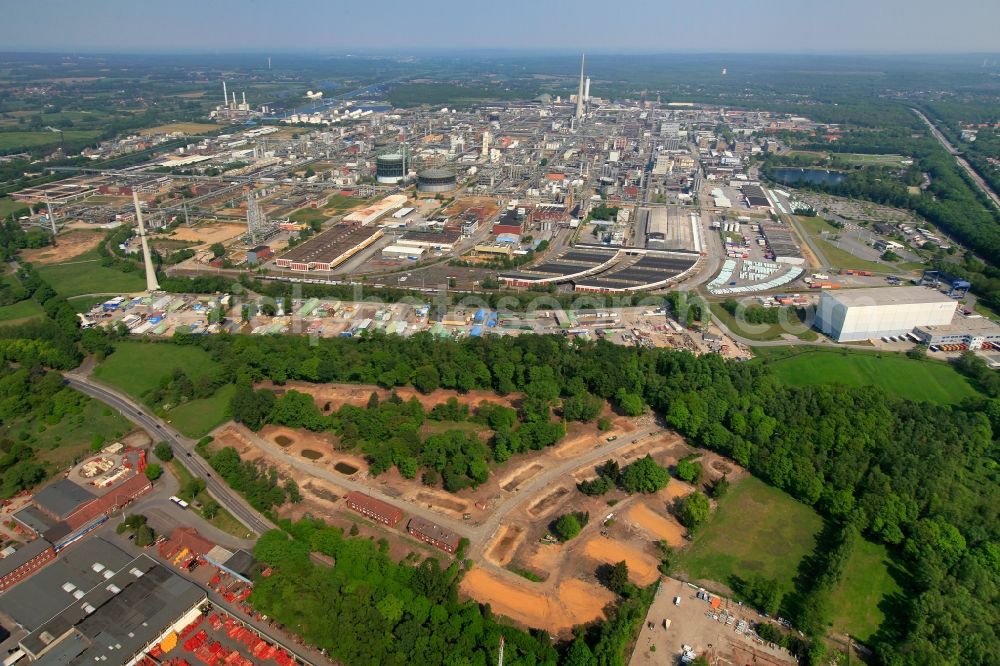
x=434, y=181
x=971, y=332
x=117, y=620
x=442, y=241
x=511, y=222
x=370, y=214
x=782, y=246
x=402, y=252
x=327, y=250
x=24, y=562
x=258, y=254
x=754, y=197
x=864, y=314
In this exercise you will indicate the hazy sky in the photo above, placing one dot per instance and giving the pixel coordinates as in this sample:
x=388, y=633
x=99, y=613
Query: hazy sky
x=618, y=26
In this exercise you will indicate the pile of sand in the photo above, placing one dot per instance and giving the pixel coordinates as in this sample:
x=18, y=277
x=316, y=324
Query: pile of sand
x=575, y=601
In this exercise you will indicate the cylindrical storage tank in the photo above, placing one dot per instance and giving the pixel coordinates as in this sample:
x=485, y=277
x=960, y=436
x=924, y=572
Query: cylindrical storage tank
x=436, y=180
x=390, y=168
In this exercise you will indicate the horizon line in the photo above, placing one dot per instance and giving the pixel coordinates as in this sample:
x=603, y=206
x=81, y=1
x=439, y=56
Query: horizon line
x=428, y=50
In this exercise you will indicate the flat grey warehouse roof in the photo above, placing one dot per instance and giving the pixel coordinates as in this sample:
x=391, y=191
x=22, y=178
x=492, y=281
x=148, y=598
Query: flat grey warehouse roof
x=887, y=296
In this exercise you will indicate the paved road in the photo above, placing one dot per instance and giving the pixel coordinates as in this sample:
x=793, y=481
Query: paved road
x=183, y=446
x=983, y=185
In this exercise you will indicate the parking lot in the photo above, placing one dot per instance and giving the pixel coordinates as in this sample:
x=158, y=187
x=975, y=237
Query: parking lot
x=715, y=627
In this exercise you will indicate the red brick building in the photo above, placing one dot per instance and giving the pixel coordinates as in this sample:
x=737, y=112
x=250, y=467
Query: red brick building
x=433, y=534
x=373, y=508
x=24, y=562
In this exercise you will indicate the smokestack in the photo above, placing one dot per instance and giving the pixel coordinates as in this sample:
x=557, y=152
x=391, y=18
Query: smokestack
x=234, y=100
x=244, y=98
x=586, y=90
x=225, y=95
x=52, y=220
x=579, y=92
x=151, y=283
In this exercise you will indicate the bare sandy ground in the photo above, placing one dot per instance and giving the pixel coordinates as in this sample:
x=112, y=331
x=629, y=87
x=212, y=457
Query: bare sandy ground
x=660, y=526
x=207, y=233
x=674, y=490
x=358, y=395
x=68, y=245
x=575, y=602
x=641, y=566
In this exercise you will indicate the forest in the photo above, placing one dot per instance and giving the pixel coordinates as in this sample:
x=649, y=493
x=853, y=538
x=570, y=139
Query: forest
x=388, y=432
x=919, y=477
x=368, y=609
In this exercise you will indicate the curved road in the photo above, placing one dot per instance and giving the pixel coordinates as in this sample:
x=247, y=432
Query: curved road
x=184, y=447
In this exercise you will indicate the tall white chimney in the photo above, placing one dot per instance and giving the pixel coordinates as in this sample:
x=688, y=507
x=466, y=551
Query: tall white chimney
x=586, y=90
x=579, y=92
x=151, y=283
x=225, y=95
x=244, y=98
x=234, y=99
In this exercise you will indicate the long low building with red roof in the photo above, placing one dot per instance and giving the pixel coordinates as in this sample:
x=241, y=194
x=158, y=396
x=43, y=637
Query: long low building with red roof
x=375, y=509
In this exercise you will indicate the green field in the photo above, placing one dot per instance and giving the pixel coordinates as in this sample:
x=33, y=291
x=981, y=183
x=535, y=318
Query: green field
x=198, y=417
x=309, y=215
x=84, y=274
x=926, y=380
x=338, y=202
x=865, y=583
x=19, y=312
x=756, y=529
x=62, y=443
x=863, y=159
x=138, y=367
x=760, y=332
x=24, y=140
x=8, y=206
x=979, y=308
x=851, y=159
x=85, y=303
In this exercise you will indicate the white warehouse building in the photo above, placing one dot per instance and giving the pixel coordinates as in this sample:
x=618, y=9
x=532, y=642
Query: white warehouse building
x=864, y=314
